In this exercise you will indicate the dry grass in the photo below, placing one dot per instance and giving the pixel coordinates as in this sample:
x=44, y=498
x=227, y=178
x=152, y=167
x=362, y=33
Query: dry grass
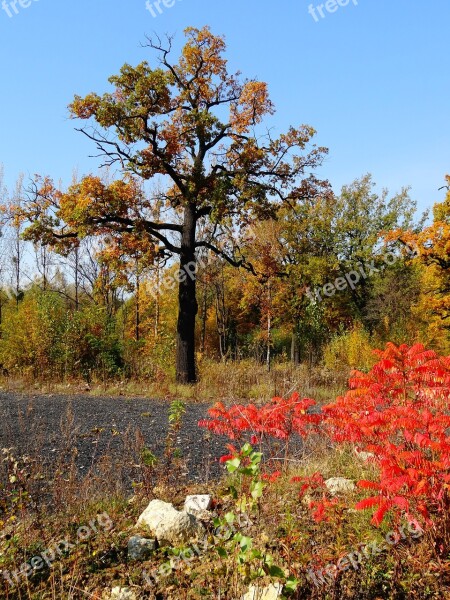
x=244, y=381
x=40, y=505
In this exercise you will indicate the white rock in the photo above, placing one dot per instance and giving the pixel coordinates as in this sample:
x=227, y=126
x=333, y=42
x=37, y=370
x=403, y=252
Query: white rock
x=273, y=592
x=170, y=526
x=364, y=456
x=197, y=504
x=122, y=593
x=339, y=485
x=307, y=499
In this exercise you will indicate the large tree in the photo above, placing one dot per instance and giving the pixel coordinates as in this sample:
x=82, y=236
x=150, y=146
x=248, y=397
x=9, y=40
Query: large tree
x=196, y=131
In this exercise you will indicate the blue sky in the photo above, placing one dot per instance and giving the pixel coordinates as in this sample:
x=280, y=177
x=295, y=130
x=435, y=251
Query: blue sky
x=373, y=78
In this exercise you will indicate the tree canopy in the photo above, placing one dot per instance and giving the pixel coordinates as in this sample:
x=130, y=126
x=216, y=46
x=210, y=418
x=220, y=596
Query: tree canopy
x=196, y=132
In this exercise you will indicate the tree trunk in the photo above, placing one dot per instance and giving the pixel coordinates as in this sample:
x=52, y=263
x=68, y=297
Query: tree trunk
x=157, y=302
x=187, y=301
x=77, y=302
x=204, y=316
x=294, y=347
x=269, y=326
x=138, y=302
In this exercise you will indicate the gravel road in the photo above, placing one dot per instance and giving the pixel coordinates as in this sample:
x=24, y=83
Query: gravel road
x=44, y=426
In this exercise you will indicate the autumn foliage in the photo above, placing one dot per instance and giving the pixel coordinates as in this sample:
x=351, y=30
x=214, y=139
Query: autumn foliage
x=280, y=419
x=397, y=412
x=192, y=129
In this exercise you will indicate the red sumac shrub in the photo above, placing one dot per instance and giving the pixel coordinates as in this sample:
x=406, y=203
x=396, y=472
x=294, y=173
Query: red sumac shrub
x=279, y=419
x=399, y=411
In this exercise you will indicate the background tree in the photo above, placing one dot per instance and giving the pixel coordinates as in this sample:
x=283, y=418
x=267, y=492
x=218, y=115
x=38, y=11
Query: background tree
x=16, y=243
x=3, y=253
x=322, y=238
x=433, y=244
x=361, y=215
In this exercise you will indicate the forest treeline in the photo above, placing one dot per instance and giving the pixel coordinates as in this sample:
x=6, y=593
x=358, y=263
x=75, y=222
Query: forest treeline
x=328, y=280
x=214, y=238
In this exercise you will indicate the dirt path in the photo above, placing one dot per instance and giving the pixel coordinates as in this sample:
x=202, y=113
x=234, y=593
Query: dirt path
x=92, y=427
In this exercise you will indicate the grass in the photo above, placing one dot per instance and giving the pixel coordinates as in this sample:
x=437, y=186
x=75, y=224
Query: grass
x=282, y=528
x=36, y=513
x=41, y=506
x=227, y=381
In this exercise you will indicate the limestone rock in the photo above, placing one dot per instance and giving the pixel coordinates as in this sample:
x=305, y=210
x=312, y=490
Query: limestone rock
x=307, y=499
x=339, y=485
x=272, y=592
x=198, y=504
x=364, y=456
x=168, y=525
x=122, y=593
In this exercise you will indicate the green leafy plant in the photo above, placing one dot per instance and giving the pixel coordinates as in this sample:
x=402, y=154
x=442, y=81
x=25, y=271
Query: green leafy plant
x=176, y=412
x=235, y=542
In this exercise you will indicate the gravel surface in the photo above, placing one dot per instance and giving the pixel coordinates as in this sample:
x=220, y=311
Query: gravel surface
x=91, y=427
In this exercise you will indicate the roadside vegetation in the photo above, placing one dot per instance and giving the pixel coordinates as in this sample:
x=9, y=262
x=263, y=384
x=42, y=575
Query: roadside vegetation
x=216, y=266
x=345, y=499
